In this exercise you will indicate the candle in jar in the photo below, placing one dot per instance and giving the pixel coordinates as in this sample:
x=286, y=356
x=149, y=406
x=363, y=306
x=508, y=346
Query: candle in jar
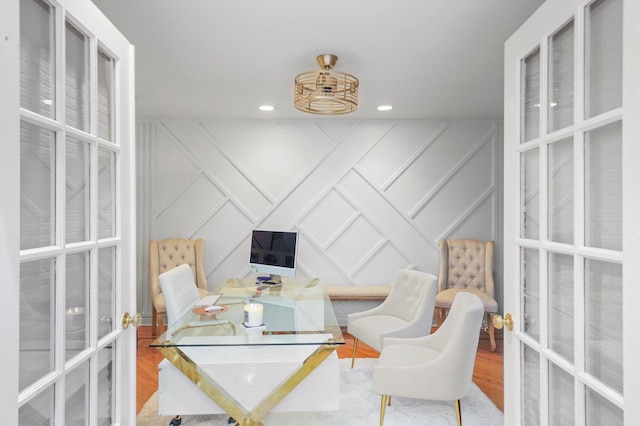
x=253, y=314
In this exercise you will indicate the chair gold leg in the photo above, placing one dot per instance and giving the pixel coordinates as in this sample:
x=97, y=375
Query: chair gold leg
x=492, y=328
x=353, y=354
x=458, y=412
x=383, y=406
x=154, y=318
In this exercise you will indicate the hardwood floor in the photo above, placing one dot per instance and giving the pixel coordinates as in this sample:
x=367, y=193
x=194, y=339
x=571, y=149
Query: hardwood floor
x=488, y=372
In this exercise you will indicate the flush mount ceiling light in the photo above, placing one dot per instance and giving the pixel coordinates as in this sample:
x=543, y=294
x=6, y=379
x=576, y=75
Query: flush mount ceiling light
x=326, y=91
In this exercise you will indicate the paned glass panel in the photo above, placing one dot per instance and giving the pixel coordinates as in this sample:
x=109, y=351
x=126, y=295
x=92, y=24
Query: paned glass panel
x=37, y=189
x=37, y=63
x=37, y=320
x=561, y=191
x=603, y=319
x=38, y=411
x=106, y=75
x=106, y=193
x=77, y=188
x=77, y=78
x=530, y=97
x=530, y=194
x=106, y=370
x=77, y=396
x=603, y=59
x=77, y=304
x=530, y=393
x=602, y=412
x=106, y=293
x=561, y=304
x=561, y=78
x=530, y=274
x=603, y=187
x=561, y=397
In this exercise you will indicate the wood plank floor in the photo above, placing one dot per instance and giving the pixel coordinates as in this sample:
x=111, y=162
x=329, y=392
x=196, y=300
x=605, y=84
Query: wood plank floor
x=487, y=374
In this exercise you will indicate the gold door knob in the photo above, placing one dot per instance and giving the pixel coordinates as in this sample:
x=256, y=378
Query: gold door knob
x=500, y=322
x=128, y=320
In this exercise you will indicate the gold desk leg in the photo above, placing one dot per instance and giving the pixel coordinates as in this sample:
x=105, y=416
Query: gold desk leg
x=214, y=391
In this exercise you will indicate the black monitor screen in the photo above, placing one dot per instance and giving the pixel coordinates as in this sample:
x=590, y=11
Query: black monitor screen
x=275, y=248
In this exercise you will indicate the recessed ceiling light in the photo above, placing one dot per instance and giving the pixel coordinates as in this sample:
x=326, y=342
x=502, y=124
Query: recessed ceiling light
x=266, y=108
x=47, y=101
x=385, y=108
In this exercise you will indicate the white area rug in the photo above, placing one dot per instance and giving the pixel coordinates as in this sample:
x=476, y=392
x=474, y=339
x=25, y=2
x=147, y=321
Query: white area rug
x=359, y=406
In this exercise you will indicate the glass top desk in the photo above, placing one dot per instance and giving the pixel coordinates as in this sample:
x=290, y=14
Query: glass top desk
x=299, y=326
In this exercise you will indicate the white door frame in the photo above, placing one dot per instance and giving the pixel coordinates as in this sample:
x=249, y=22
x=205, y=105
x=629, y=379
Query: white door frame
x=549, y=17
x=88, y=14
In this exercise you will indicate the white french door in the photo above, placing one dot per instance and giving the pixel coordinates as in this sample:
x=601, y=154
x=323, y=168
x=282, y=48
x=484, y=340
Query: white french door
x=68, y=217
x=571, y=215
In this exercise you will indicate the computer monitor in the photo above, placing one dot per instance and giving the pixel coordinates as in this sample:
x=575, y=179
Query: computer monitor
x=274, y=253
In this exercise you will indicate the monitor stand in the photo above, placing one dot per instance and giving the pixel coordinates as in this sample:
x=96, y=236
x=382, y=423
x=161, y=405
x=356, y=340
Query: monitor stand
x=273, y=279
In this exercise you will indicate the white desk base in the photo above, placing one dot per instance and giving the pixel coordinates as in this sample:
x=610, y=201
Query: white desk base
x=249, y=374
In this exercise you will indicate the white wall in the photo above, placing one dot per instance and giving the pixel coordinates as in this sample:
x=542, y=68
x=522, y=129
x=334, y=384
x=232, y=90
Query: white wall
x=367, y=197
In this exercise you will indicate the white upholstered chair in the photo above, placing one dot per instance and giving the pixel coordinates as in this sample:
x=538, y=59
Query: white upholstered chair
x=435, y=367
x=466, y=265
x=180, y=292
x=165, y=255
x=406, y=312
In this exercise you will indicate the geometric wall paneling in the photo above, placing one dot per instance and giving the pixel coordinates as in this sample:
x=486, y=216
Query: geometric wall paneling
x=200, y=200
x=263, y=153
x=401, y=145
x=366, y=197
x=392, y=223
x=214, y=161
x=173, y=169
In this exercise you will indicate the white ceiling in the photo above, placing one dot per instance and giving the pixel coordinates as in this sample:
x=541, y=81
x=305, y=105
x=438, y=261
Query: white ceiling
x=224, y=58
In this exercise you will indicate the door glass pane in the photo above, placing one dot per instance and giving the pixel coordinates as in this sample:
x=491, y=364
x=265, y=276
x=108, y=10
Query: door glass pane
x=37, y=64
x=37, y=191
x=530, y=194
x=603, y=187
x=603, y=61
x=77, y=304
x=561, y=78
x=105, y=95
x=530, y=98
x=77, y=78
x=602, y=412
x=603, y=319
x=38, y=411
x=106, y=294
x=531, y=392
x=106, y=193
x=561, y=191
x=561, y=304
x=561, y=397
x=106, y=371
x=77, y=187
x=531, y=292
x=37, y=320
x=77, y=396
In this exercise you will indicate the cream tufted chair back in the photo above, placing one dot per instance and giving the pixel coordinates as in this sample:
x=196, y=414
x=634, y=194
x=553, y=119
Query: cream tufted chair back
x=466, y=265
x=167, y=254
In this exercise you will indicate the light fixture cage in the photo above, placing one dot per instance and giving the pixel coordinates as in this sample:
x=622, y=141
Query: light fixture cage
x=326, y=91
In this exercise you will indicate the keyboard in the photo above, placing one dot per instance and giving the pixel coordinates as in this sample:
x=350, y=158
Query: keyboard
x=208, y=300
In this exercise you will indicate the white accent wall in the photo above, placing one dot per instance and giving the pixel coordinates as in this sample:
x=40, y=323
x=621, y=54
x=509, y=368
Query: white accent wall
x=367, y=197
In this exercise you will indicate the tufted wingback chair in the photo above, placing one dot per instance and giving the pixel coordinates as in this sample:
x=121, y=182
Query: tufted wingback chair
x=165, y=255
x=406, y=312
x=466, y=266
